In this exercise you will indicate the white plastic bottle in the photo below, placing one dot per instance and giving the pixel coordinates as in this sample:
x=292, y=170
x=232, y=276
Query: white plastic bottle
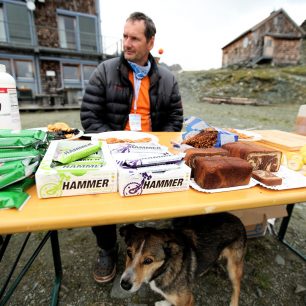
x=9, y=110
x=300, y=123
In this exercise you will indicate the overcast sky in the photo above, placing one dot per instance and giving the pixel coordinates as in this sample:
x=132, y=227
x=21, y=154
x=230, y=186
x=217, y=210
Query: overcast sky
x=193, y=32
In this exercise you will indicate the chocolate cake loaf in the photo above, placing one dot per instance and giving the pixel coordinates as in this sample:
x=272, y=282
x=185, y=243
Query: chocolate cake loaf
x=267, y=178
x=207, y=138
x=194, y=152
x=220, y=172
x=260, y=157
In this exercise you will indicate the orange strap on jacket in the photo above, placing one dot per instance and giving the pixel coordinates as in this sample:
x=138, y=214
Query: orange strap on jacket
x=143, y=104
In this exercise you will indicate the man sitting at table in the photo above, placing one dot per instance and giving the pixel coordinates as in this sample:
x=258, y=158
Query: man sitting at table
x=133, y=93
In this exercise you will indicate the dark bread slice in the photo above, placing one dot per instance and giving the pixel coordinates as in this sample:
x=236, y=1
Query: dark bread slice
x=267, y=177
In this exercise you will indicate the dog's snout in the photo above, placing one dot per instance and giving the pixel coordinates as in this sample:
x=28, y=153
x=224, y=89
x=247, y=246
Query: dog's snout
x=126, y=285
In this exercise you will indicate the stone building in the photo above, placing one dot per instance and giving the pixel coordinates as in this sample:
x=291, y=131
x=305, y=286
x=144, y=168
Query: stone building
x=303, y=48
x=276, y=40
x=50, y=47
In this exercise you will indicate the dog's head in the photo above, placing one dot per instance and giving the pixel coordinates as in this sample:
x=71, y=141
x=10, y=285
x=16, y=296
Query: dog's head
x=148, y=251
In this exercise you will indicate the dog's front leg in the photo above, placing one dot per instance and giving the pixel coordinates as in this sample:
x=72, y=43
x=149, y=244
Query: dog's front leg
x=162, y=303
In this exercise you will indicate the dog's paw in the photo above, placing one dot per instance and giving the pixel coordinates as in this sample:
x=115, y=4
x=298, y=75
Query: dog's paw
x=162, y=303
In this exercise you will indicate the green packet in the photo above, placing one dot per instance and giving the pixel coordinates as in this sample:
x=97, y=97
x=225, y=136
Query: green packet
x=76, y=153
x=13, y=171
x=13, y=199
x=19, y=142
x=22, y=185
x=37, y=134
x=16, y=154
x=93, y=161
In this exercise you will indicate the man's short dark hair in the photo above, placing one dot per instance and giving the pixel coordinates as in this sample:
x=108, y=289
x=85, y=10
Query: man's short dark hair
x=150, y=29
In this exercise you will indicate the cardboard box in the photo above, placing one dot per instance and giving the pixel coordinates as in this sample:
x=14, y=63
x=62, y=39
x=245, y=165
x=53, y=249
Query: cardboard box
x=78, y=179
x=148, y=179
x=135, y=182
x=255, y=220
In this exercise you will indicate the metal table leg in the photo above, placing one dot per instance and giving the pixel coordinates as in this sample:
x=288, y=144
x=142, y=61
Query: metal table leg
x=4, y=244
x=5, y=296
x=57, y=267
x=283, y=229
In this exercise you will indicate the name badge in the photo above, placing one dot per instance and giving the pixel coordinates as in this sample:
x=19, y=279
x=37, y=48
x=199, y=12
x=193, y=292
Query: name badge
x=135, y=122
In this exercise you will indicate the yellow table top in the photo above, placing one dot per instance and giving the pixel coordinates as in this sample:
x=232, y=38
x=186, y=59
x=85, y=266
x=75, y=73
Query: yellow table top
x=88, y=210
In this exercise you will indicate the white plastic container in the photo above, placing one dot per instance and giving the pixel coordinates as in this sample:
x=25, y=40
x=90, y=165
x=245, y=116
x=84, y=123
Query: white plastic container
x=9, y=110
x=300, y=123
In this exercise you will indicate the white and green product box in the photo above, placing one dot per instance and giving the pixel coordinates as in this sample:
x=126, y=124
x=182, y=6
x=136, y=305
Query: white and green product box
x=93, y=174
x=137, y=182
x=149, y=170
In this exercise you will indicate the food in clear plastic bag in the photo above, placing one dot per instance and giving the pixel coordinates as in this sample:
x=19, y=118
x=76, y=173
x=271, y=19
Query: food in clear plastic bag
x=76, y=153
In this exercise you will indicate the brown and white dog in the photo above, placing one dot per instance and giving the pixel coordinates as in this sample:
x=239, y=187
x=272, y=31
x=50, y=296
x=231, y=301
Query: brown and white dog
x=169, y=259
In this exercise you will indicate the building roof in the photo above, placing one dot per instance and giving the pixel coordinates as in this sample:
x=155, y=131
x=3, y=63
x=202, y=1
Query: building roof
x=272, y=15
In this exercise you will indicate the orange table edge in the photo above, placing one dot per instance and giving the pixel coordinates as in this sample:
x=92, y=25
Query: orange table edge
x=89, y=210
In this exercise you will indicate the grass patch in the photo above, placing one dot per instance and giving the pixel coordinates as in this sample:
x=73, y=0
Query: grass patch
x=262, y=280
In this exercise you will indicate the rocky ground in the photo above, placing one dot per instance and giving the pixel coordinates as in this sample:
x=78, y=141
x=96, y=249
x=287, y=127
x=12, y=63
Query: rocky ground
x=274, y=275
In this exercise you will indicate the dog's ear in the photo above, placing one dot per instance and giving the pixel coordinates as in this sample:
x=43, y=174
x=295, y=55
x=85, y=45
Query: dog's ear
x=126, y=231
x=171, y=248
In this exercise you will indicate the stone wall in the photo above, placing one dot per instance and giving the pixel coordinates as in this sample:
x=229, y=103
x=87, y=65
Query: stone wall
x=286, y=52
x=46, y=21
x=239, y=51
x=49, y=84
x=303, y=52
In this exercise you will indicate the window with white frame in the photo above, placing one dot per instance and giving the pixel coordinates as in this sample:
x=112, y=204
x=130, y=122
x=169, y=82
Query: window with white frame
x=268, y=42
x=245, y=42
x=77, y=32
x=67, y=32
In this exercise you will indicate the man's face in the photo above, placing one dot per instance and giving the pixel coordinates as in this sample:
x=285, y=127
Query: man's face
x=135, y=45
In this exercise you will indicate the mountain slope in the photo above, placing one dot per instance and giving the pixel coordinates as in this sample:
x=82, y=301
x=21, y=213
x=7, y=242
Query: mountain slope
x=268, y=84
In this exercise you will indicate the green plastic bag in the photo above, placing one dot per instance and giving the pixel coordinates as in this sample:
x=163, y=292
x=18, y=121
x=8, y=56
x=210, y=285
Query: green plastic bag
x=13, y=199
x=22, y=185
x=13, y=171
x=36, y=134
x=19, y=142
x=16, y=154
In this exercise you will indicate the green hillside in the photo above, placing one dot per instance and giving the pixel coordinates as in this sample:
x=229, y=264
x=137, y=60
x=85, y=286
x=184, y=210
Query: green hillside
x=264, y=83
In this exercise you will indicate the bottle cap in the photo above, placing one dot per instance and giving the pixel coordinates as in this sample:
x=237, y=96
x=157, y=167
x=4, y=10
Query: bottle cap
x=2, y=68
x=302, y=111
